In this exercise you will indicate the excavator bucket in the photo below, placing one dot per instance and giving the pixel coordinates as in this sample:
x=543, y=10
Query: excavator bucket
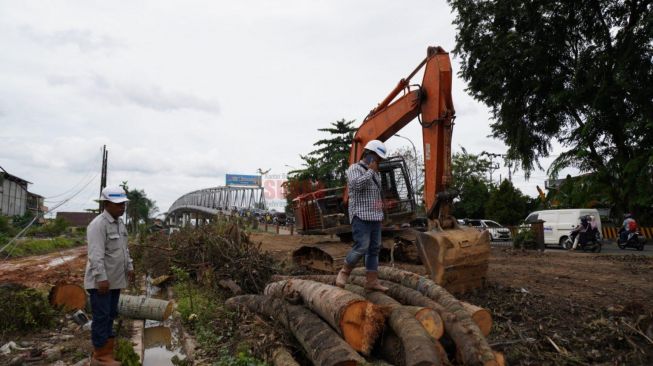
x=457, y=258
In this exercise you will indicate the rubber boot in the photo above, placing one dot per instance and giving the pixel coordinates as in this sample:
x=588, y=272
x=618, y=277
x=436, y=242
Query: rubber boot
x=343, y=275
x=112, y=346
x=103, y=356
x=372, y=283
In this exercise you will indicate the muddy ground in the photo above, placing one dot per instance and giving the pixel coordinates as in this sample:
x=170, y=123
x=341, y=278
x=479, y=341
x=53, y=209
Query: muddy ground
x=552, y=308
x=556, y=307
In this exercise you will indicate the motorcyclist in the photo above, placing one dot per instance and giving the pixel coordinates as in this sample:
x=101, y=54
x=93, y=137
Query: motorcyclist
x=629, y=226
x=581, y=233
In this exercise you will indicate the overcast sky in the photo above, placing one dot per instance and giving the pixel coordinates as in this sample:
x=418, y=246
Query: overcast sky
x=182, y=92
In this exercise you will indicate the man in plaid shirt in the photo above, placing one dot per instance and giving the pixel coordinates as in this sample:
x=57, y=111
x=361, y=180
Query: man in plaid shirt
x=365, y=215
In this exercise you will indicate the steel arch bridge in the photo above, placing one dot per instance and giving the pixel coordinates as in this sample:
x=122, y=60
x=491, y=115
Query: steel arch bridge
x=209, y=202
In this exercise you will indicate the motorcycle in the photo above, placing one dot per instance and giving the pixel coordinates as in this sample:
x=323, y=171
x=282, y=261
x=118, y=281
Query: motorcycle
x=591, y=244
x=633, y=240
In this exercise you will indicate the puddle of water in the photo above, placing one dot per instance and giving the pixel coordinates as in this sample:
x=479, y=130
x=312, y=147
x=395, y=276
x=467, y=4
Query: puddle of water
x=60, y=260
x=160, y=339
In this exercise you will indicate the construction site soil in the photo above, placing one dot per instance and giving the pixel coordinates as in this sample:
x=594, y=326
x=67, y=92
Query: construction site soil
x=552, y=308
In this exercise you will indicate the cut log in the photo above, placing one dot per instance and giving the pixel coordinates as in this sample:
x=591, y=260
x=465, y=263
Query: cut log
x=162, y=280
x=391, y=348
x=67, y=296
x=323, y=346
x=441, y=351
x=230, y=285
x=280, y=356
x=416, y=342
x=501, y=360
x=458, y=323
x=141, y=307
x=480, y=316
x=359, y=321
x=430, y=320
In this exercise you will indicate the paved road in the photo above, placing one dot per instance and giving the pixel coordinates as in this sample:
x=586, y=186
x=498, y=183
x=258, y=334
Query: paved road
x=610, y=248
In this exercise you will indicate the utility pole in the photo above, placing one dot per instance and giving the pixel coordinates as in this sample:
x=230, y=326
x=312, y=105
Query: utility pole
x=493, y=166
x=103, y=179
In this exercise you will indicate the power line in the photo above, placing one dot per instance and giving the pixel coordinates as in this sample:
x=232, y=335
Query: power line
x=88, y=173
x=13, y=240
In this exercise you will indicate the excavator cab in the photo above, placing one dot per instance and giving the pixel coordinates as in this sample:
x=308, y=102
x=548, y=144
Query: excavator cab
x=324, y=212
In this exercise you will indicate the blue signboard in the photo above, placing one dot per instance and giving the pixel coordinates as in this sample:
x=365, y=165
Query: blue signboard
x=243, y=180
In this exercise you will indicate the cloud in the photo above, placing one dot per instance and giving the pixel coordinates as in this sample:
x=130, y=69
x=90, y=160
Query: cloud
x=145, y=96
x=85, y=40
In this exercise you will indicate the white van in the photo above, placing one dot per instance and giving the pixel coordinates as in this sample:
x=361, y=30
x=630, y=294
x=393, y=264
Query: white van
x=558, y=223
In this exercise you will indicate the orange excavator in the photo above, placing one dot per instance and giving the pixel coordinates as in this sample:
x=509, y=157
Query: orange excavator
x=455, y=257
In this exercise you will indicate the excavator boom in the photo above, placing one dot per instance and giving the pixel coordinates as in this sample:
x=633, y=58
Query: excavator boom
x=432, y=102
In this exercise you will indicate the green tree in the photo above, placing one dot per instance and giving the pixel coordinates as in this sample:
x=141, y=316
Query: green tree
x=140, y=208
x=473, y=196
x=506, y=204
x=466, y=166
x=574, y=72
x=325, y=166
x=581, y=191
x=332, y=153
x=469, y=179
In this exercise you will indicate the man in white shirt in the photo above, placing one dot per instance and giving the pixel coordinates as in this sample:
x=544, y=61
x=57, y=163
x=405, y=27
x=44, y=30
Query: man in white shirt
x=108, y=269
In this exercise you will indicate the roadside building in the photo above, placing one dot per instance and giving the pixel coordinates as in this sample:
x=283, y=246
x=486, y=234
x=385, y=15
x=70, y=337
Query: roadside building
x=77, y=219
x=15, y=199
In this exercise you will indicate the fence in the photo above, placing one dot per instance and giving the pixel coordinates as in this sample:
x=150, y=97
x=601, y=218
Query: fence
x=610, y=232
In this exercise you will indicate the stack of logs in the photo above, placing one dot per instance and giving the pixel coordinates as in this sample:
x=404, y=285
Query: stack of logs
x=416, y=322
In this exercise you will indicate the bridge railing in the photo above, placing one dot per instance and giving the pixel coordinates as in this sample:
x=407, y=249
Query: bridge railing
x=221, y=198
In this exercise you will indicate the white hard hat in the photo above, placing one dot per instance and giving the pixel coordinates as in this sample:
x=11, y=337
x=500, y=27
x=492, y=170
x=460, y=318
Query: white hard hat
x=377, y=147
x=114, y=194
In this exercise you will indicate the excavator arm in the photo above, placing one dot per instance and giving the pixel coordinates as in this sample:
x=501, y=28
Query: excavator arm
x=432, y=103
x=456, y=257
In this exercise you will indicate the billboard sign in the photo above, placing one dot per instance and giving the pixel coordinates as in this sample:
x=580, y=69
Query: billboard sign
x=243, y=180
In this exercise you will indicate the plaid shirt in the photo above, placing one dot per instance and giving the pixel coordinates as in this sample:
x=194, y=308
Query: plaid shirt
x=364, y=193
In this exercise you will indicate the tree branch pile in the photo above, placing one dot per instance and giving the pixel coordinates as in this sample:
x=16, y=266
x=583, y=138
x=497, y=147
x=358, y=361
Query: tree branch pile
x=219, y=254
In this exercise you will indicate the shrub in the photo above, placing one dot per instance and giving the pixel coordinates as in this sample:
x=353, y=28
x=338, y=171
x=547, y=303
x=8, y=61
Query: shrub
x=125, y=353
x=241, y=359
x=5, y=227
x=524, y=239
x=23, y=309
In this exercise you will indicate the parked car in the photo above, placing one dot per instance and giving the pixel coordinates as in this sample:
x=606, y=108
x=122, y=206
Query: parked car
x=558, y=223
x=497, y=232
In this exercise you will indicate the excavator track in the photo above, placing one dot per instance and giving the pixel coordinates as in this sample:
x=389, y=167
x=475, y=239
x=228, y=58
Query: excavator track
x=456, y=259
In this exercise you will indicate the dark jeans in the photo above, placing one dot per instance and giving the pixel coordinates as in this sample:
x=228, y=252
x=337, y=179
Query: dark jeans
x=367, y=243
x=105, y=310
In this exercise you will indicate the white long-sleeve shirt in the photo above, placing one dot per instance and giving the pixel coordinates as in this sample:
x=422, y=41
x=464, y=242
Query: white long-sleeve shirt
x=108, y=254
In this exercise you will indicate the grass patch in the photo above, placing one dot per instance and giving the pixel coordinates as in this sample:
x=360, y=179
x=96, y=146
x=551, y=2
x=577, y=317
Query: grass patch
x=241, y=359
x=24, y=309
x=125, y=353
x=32, y=246
x=217, y=330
